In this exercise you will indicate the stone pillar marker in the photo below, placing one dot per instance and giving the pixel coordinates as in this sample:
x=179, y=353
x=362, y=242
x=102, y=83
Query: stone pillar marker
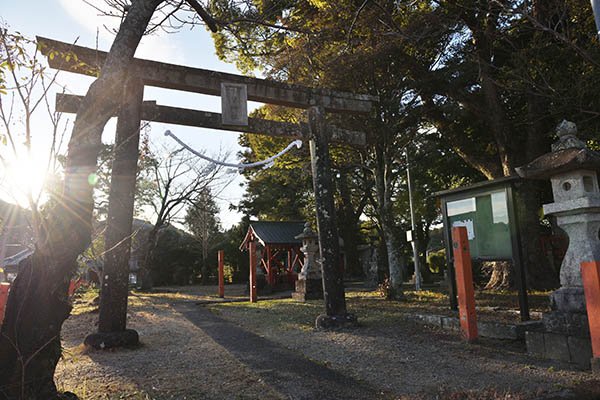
x=572, y=169
x=309, y=285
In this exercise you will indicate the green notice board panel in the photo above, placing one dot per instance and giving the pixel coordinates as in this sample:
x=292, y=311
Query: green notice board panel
x=487, y=223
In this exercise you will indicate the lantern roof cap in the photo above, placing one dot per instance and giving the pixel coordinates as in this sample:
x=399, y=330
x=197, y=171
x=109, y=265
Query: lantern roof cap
x=569, y=153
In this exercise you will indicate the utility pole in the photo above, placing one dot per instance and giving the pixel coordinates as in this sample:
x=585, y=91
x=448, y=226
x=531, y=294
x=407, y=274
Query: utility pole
x=414, y=240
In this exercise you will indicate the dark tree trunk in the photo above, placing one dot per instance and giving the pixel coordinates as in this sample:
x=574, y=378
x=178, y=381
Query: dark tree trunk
x=146, y=282
x=349, y=229
x=515, y=151
x=38, y=303
x=423, y=234
x=529, y=198
x=383, y=189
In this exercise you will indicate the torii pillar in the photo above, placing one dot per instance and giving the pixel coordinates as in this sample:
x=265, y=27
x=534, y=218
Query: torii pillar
x=333, y=285
x=112, y=330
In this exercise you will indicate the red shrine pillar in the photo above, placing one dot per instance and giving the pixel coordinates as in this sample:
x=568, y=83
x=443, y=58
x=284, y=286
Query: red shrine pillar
x=252, y=251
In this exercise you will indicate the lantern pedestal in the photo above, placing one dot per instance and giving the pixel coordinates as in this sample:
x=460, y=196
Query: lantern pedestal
x=572, y=170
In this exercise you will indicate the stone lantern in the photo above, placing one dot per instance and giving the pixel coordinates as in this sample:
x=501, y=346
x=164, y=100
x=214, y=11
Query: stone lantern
x=309, y=285
x=573, y=171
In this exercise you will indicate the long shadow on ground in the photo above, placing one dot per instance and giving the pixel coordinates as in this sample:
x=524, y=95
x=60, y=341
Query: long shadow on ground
x=294, y=376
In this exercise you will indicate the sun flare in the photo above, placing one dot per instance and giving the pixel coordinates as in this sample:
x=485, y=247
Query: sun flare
x=22, y=177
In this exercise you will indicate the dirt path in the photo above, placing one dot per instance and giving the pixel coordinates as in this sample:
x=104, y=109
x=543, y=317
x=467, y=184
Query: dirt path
x=287, y=372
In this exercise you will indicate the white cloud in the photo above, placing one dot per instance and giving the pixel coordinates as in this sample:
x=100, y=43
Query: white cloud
x=89, y=18
x=160, y=48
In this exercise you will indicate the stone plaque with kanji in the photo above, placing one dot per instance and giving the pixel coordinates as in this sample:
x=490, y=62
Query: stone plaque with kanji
x=234, y=104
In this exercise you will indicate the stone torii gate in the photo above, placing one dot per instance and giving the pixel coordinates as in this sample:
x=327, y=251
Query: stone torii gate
x=77, y=59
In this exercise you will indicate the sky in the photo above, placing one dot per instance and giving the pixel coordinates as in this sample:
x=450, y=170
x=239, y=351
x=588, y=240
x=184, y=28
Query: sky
x=73, y=20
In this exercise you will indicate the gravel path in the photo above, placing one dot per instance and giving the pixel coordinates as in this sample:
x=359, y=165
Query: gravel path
x=177, y=360
x=189, y=352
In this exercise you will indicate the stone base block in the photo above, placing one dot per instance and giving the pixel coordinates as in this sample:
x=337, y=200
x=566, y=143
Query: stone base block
x=534, y=341
x=554, y=346
x=327, y=322
x=306, y=296
x=564, y=323
x=568, y=300
x=557, y=347
x=308, y=289
x=496, y=330
x=523, y=327
x=109, y=340
x=595, y=362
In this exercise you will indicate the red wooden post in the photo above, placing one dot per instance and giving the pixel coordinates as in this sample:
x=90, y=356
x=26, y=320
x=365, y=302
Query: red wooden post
x=221, y=273
x=3, y=298
x=590, y=274
x=290, y=270
x=252, y=251
x=269, y=266
x=464, y=283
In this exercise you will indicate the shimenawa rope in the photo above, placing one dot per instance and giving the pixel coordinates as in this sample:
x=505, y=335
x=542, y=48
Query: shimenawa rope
x=264, y=163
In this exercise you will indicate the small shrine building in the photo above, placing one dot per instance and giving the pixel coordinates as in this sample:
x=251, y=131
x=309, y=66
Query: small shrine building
x=277, y=250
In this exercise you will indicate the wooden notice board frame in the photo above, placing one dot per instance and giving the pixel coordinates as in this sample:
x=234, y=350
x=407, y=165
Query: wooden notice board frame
x=510, y=237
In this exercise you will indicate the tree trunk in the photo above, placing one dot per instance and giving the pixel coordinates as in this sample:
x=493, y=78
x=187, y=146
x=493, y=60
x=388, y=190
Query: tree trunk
x=348, y=221
x=145, y=272
x=529, y=198
x=205, y=233
x=395, y=264
x=501, y=275
x=38, y=303
x=422, y=232
x=383, y=189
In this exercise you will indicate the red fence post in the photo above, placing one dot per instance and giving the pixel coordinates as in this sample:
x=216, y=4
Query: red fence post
x=252, y=251
x=4, y=287
x=464, y=283
x=590, y=275
x=221, y=273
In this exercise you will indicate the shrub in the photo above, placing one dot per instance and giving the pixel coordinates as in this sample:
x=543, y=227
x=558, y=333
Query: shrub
x=436, y=260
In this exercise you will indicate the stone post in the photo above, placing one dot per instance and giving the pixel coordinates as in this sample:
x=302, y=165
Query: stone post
x=115, y=283
x=333, y=285
x=572, y=170
x=309, y=285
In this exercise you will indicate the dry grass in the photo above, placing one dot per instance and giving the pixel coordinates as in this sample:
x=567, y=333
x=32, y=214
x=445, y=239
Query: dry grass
x=375, y=311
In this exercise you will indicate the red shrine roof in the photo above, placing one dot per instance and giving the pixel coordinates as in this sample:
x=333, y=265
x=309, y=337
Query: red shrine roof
x=273, y=232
